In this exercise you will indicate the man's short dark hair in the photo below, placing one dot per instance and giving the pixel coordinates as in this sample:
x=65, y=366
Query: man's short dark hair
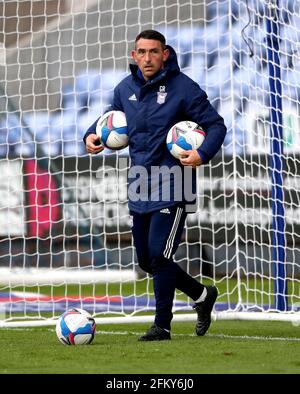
x=152, y=35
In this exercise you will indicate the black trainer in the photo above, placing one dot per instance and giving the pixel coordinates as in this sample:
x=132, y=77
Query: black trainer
x=155, y=333
x=204, y=309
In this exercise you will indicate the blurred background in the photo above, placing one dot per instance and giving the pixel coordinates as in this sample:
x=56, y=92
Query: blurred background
x=59, y=63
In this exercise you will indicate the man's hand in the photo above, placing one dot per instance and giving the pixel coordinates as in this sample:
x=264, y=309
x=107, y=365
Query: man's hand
x=191, y=158
x=93, y=144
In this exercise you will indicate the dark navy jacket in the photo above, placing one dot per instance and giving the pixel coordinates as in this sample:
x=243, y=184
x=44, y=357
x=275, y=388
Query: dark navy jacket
x=151, y=109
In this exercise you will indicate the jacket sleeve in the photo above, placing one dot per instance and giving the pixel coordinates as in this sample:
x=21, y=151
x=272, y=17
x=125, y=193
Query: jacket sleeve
x=199, y=109
x=115, y=105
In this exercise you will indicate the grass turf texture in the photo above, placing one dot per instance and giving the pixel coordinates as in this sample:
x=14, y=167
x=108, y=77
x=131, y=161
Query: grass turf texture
x=229, y=347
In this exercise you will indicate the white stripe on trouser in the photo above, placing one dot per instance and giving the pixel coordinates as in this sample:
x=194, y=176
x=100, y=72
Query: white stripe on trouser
x=170, y=241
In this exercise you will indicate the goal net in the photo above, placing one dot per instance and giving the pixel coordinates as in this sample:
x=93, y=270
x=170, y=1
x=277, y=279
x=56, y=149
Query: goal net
x=65, y=238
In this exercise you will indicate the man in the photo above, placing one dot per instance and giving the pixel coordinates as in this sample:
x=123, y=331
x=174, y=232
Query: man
x=154, y=97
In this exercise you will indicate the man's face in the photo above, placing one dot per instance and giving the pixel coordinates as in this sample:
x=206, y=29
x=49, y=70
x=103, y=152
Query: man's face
x=150, y=56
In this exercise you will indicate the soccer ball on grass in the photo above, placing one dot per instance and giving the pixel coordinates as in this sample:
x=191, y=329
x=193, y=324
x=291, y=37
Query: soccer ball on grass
x=75, y=327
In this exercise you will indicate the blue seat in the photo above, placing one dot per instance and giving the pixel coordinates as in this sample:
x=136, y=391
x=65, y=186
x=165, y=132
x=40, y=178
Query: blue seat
x=16, y=141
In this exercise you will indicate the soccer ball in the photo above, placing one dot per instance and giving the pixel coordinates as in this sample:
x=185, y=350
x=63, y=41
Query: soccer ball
x=75, y=327
x=184, y=136
x=112, y=130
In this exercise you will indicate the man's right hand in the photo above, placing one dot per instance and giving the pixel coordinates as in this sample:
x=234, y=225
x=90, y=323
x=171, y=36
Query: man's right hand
x=93, y=144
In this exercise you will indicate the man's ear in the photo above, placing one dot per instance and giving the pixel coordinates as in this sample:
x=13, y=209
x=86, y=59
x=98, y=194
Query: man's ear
x=166, y=54
x=133, y=55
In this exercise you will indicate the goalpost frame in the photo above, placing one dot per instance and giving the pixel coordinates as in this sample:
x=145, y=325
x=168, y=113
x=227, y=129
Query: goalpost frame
x=276, y=155
x=187, y=317
x=276, y=173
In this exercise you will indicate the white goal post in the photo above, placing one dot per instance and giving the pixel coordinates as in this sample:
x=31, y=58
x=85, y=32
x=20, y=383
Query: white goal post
x=65, y=238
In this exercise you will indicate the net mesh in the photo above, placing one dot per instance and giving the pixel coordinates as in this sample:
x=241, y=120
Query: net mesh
x=65, y=227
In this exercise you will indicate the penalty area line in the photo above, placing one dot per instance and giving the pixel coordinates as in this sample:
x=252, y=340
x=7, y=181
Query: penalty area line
x=134, y=333
x=222, y=336
x=254, y=337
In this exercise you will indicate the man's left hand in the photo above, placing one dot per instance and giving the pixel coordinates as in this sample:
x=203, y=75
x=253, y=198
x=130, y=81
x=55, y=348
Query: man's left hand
x=191, y=158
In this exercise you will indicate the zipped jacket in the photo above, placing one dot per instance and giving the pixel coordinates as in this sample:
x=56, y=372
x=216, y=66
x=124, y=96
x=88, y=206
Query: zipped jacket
x=152, y=107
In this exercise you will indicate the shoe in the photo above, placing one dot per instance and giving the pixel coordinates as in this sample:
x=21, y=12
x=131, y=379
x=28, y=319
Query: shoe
x=204, y=309
x=155, y=333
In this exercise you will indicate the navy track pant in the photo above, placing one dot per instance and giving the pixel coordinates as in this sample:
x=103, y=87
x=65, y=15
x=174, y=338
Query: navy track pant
x=156, y=237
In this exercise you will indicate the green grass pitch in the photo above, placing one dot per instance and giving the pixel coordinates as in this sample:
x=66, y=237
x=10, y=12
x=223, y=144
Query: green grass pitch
x=229, y=347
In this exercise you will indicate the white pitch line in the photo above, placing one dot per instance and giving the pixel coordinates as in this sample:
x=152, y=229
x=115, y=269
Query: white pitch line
x=222, y=336
x=256, y=338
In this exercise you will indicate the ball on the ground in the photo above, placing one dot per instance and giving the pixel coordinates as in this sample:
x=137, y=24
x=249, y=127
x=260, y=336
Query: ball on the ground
x=112, y=130
x=75, y=327
x=185, y=135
